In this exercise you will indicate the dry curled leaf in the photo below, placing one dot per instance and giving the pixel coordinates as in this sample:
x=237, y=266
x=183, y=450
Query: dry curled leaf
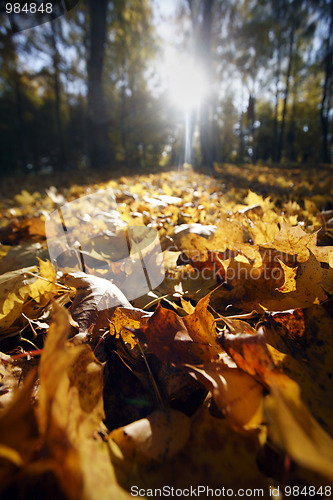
x=236, y=394
x=158, y=437
x=94, y=301
x=293, y=429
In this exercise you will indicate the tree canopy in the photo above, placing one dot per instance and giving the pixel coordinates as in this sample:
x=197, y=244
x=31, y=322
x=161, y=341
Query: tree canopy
x=90, y=87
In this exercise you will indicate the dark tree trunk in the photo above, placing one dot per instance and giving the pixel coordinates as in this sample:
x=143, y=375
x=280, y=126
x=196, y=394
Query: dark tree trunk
x=326, y=102
x=241, y=151
x=99, y=146
x=291, y=132
x=276, y=106
x=123, y=124
x=205, y=57
x=286, y=92
x=57, y=92
x=202, y=32
x=251, y=121
x=20, y=123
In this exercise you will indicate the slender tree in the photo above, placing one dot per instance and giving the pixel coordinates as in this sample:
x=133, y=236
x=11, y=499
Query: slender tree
x=327, y=92
x=99, y=146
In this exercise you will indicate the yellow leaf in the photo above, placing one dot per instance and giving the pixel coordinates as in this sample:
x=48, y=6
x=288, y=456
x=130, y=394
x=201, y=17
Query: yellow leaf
x=124, y=318
x=158, y=437
x=289, y=284
x=43, y=289
x=236, y=394
x=25, y=198
x=292, y=428
x=14, y=290
x=294, y=241
x=70, y=408
x=201, y=327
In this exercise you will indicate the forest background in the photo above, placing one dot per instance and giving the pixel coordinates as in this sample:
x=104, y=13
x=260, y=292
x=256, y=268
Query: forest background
x=91, y=88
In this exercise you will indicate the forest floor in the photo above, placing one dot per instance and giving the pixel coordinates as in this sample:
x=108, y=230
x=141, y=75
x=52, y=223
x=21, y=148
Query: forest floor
x=184, y=340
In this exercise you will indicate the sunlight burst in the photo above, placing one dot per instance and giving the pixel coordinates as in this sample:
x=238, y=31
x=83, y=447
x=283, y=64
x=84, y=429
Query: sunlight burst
x=187, y=83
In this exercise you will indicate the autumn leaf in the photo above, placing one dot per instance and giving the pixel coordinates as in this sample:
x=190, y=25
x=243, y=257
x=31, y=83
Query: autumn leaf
x=293, y=429
x=236, y=394
x=251, y=354
x=124, y=321
x=301, y=344
x=25, y=291
x=168, y=338
x=200, y=325
x=294, y=241
x=215, y=455
x=182, y=340
x=71, y=413
x=94, y=300
x=219, y=375
x=158, y=437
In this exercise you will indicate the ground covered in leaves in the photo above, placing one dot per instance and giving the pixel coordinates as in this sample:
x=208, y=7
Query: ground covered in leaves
x=221, y=376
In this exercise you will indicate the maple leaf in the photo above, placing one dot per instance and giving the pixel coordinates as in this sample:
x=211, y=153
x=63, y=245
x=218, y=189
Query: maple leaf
x=52, y=434
x=294, y=241
x=180, y=340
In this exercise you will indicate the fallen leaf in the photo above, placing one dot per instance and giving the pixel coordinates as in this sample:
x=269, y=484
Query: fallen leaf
x=293, y=429
x=236, y=394
x=182, y=340
x=94, y=301
x=158, y=437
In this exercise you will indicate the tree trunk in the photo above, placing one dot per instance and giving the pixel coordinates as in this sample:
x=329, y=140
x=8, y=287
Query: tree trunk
x=286, y=92
x=99, y=146
x=205, y=58
x=251, y=122
x=20, y=123
x=241, y=151
x=326, y=102
x=57, y=92
x=202, y=32
x=123, y=124
x=291, y=133
x=276, y=105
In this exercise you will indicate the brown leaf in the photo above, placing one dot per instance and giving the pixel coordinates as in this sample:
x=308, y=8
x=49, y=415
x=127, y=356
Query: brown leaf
x=236, y=394
x=158, y=437
x=207, y=263
x=301, y=345
x=167, y=337
x=251, y=354
x=70, y=416
x=95, y=299
x=182, y=340
x=19, y=437
x=293, y=429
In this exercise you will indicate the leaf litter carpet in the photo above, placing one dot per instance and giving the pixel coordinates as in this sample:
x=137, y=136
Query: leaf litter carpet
x=220, y=377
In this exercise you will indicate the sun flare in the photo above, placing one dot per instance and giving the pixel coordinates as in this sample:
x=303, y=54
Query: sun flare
x=187, y=83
